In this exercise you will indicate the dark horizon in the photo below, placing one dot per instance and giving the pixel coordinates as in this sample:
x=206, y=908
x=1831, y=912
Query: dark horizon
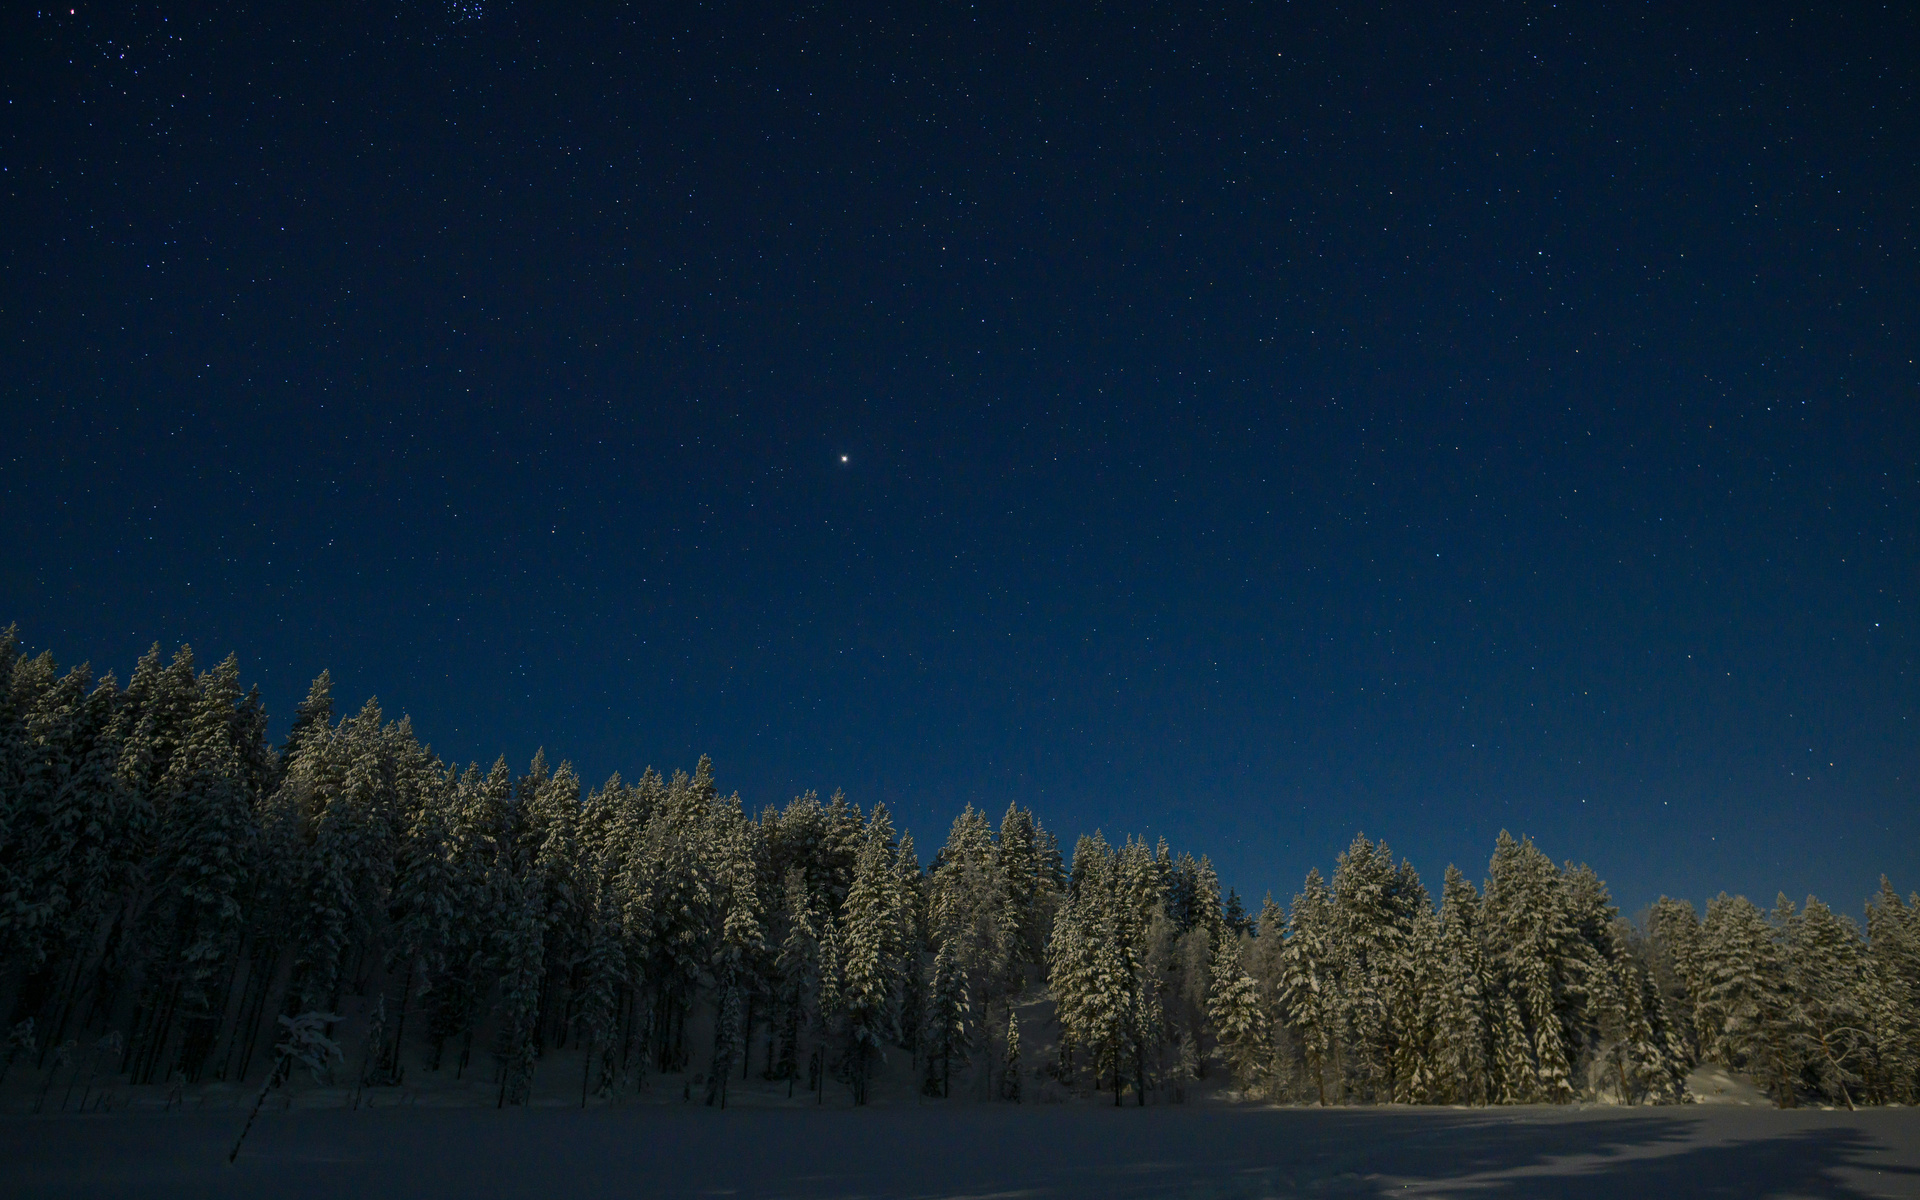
x=1248, y=426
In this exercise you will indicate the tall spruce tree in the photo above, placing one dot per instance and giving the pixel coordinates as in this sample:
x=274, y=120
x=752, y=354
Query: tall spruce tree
x=1893, y=995
x=1462, y=1028
x=1745, y=1002
x=1310, y=987
x=1235, y=1010
x=947, y=1039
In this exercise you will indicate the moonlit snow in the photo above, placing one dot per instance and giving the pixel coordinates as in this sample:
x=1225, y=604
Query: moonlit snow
x=985, y=1150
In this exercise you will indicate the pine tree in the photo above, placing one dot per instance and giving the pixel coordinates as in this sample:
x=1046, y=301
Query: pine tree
x=799, y=968
x=522, y=963
x=1745, y=1004
x=351, y=857
x=741, y=939
x=1375, y=902
x=1414, y=1014
x=1010, y=1067
x=946, y=1040
x=1208, y=907
x=1673, y=931
x=1516, y=1079
x=312, y=719
x=969, y=905
x=1310, y=980
x=1268, y=946
x=1234, y=1009
x=33, y=898
x=1539, y=959
x=911, y=896
x=829, y=1020
x=869, y=989
x=1461, y=1017
x=682, y=899
x=1233, y=913
x=1070, y=979
x=604, y=967
x=1639, y=1044
x=1893, y=995
x=1137, y=901
x=1017, y=869
x=424, y=908
x=552, y=835
x=204, y=861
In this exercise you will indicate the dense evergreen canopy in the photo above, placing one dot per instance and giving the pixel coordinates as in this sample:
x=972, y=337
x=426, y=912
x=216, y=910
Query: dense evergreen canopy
x=171, y=884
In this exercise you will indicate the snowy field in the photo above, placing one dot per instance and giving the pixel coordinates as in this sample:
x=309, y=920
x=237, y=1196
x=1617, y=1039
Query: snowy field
x=979, y=1151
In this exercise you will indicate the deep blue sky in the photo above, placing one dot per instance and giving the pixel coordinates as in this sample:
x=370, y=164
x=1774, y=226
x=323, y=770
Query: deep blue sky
x=1260, y=422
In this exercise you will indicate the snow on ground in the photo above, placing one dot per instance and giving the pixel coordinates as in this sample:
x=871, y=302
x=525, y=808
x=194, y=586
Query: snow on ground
x=1711, y=1083
x=1060, y=1150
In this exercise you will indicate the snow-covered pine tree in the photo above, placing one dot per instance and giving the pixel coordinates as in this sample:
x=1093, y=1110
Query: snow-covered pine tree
x=350, y=860
x=968, y=908
x=487, y=905
x=910, y=893
x=312, y=718
x=604, y=971
x=1138, y=900
x=1461, y=1025
x=1893, y=995
x=1070, y=980
x=1746, y=1003
x=1087, y=970
x=423, y=910
x=552, y=835
x=680, y=884
x=1017, y=868
x=870, y=983
x=843, y=833
x=1233, y=913
x=1234, y=1009
x=33, y=899
x=522, y=964
x=1010, y=1063
x=946, y=1040
x=1265, y=955
x=1374, y=905
x=1309, y=993
x=1112, y=1011
x=204, y=863
x=1639, y=1046
x=1414, y=1014
x=1600, y=1001
x=1537, y=959
x=630, y=869
x=1673, y=938
x=829, y=1022
x=1208, y=906
x=1516, y=1077
x=827, y=1018
x=899, y=900
x=742, y=937
x=799, y=972
x=63, y=851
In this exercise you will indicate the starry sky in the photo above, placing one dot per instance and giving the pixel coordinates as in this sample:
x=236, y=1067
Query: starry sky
x=1247, y=424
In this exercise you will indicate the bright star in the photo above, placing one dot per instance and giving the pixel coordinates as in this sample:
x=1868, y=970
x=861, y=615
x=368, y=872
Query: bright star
x=843, y=458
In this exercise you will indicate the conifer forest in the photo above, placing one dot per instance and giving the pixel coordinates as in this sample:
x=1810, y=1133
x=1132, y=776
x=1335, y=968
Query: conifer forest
x=182, y=900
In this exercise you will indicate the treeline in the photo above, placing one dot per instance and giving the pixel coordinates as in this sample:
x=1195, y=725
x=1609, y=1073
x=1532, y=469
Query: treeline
x=1532, y=990
x=171, y=884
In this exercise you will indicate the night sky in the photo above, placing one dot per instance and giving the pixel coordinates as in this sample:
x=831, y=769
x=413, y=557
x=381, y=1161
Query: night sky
x=1247, y=424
